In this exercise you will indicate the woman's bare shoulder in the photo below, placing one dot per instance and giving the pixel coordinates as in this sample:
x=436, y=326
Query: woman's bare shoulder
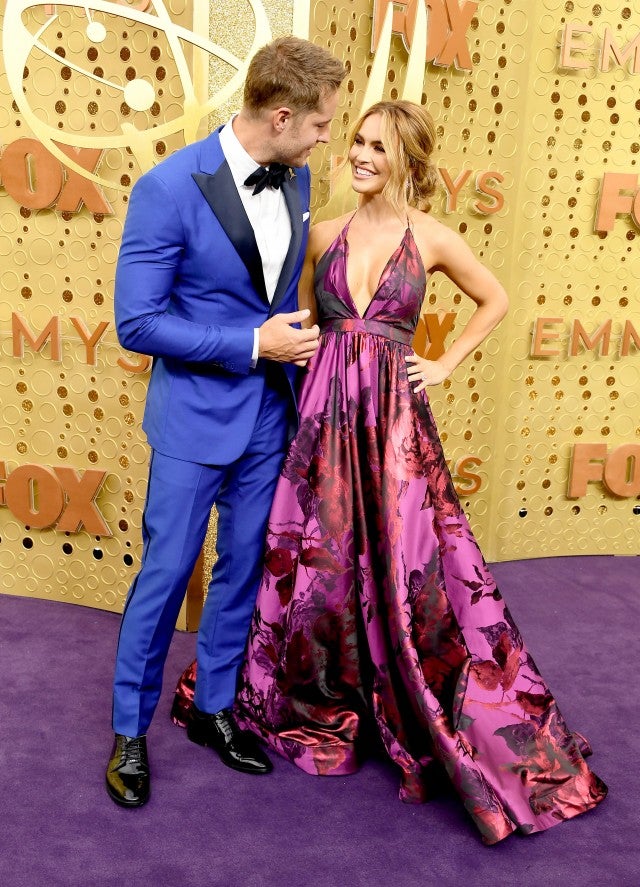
x=322, y=234
x=433, y=233
x=425, y=223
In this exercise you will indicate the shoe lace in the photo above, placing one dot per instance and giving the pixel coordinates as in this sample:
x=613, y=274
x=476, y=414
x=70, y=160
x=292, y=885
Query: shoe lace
x=233, y=732
x=134, y=751
x=228, y=727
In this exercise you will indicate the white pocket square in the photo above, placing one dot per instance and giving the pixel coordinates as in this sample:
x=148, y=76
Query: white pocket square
x=305, y=216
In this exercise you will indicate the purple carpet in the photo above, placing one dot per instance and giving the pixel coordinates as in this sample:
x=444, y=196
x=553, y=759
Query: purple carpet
x=206, y=825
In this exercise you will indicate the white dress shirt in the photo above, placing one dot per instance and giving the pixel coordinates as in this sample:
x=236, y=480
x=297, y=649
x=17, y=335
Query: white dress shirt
x=267, y=212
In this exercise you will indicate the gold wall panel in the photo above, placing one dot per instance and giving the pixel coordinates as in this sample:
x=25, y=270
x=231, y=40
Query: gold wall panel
x=126, y=83
x=551, y=133
x=534, y=102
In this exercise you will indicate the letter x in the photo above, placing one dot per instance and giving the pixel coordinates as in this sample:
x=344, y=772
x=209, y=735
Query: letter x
x=81, y=508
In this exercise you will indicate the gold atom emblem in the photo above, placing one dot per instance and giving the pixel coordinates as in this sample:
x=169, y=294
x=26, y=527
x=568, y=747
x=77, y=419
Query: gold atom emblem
x=30, y=30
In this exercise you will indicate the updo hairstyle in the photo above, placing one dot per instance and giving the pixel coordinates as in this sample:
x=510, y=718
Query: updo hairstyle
x=408, y=137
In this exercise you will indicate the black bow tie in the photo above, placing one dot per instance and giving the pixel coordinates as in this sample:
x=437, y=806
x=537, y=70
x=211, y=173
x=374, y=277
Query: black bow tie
x=273, y=177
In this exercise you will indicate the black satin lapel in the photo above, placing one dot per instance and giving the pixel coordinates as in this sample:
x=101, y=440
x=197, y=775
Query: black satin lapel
x=220, y=192
x=292, y=199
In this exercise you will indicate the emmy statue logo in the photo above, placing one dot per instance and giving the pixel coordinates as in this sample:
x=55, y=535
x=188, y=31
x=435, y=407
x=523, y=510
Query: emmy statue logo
x=33, y=42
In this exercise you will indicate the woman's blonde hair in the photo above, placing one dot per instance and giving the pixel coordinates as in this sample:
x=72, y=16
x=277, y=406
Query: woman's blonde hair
x=408, y=137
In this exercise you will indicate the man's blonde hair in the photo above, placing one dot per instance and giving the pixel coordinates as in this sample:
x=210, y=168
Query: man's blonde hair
x=293, y=73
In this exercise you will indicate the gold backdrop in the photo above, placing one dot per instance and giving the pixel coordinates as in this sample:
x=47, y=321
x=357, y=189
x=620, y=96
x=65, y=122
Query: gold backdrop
x=537, y=118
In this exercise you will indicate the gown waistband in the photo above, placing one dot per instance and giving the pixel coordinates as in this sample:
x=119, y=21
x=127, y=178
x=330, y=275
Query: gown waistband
x=373, y=327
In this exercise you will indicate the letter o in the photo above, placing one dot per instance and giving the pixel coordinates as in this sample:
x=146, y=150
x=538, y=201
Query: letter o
x=635, y=209
x=616, y=470
x=34, y=495
x=39, y=191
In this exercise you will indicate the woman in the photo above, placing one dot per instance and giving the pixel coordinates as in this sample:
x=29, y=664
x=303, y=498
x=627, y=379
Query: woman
x=376, y=606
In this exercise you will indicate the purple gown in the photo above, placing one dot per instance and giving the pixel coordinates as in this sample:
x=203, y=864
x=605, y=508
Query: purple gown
x=376, y=605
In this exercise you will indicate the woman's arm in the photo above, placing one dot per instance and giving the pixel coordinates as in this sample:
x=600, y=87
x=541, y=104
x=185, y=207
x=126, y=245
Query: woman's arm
x=321, y=236
x=452, y=257
x=306, y=296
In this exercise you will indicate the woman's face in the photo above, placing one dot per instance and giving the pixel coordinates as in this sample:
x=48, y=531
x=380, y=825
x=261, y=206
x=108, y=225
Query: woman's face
x=370, y=168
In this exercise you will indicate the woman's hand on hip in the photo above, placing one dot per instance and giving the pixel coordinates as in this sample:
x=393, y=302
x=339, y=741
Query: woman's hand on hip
x=423, y=372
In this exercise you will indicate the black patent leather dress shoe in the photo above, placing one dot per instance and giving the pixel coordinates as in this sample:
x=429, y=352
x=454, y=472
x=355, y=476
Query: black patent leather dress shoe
x=128, y=777
x=237, y=748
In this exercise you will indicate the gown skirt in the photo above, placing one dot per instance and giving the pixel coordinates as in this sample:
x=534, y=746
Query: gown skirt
x=376, y=609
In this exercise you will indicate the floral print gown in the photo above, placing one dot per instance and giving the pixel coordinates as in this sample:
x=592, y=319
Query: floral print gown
x=376, y=605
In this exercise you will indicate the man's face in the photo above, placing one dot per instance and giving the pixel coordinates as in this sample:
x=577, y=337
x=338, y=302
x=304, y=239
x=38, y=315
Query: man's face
x=305, y=130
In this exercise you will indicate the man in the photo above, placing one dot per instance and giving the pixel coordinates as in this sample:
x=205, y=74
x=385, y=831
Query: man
x=206, y=282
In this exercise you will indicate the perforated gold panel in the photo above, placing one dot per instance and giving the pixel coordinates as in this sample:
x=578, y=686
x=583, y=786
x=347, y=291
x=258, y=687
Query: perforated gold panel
x=91, y=95
x=546, y=134
x=537, y=111
x=580, y=124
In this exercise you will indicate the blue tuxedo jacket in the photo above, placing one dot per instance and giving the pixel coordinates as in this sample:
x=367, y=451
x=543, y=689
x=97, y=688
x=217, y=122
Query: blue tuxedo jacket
x=189, y=291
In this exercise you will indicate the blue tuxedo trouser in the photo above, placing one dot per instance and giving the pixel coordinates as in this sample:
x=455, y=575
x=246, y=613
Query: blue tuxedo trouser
x=180, y=495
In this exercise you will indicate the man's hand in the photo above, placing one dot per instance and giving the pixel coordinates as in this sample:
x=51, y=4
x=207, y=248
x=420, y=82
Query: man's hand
x=279, y=340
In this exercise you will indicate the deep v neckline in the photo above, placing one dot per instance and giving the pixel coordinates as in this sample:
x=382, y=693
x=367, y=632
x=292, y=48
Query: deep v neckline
x=392, y=260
